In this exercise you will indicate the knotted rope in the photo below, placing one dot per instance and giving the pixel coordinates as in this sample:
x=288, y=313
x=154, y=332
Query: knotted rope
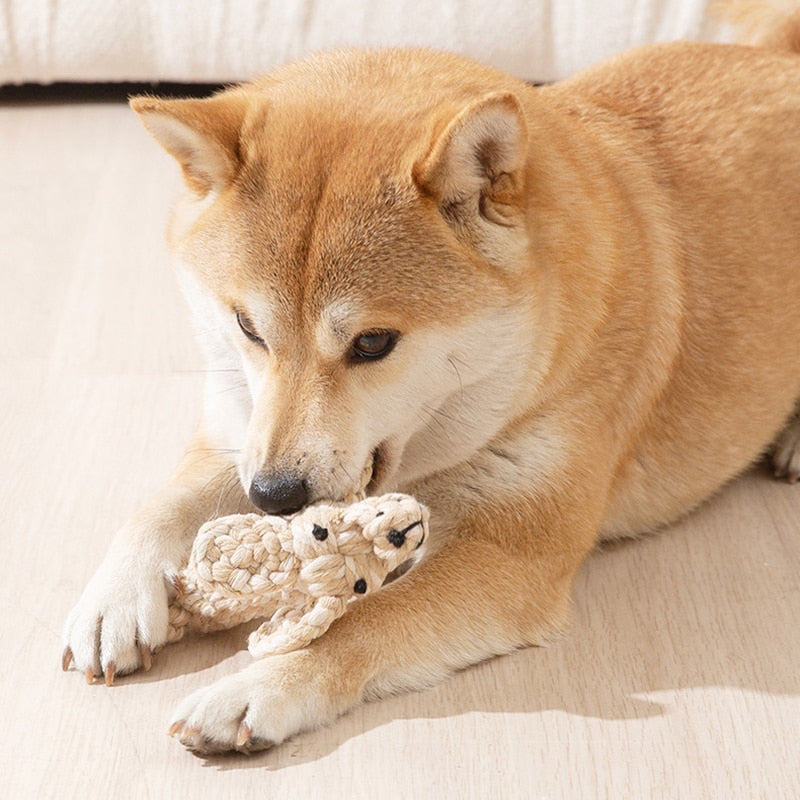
x=300, y=572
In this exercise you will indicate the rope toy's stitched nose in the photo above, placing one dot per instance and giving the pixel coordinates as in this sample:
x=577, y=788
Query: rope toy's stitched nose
x=300, y=572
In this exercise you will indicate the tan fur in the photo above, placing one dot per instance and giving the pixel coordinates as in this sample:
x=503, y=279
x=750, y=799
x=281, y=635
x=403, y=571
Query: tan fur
x=773, y=24
x=596, y=288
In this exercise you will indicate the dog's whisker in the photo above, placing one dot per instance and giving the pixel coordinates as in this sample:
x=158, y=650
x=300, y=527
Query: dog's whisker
x=341, y=468
x=451, y=361
x=226, y=450
x=235, y=387
x=205, y=371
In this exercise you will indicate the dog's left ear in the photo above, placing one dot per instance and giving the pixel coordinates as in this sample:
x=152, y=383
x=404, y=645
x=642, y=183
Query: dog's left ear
x=202, y=135
x=475, y=167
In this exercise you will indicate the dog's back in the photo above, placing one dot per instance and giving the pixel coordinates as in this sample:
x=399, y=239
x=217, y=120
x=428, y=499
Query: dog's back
x=704, y=137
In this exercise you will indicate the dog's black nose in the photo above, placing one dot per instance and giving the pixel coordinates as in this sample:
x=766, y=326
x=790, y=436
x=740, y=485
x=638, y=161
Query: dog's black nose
x=279, y=493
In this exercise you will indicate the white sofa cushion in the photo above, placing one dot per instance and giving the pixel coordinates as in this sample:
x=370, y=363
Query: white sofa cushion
x=228, y=40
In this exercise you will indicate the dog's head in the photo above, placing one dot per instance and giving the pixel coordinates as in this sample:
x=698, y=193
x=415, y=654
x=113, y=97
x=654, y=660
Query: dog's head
x=353, y=243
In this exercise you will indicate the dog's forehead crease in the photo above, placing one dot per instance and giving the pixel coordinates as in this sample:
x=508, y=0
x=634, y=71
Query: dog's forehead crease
x=333, y=256
x=318, y=211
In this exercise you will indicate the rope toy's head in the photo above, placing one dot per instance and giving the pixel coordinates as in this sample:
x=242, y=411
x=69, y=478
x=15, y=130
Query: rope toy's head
x=300, y=572
x=350, y=549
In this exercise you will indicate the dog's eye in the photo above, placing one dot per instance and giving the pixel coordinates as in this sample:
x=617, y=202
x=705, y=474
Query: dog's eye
x=248, y=329
x=373, y=345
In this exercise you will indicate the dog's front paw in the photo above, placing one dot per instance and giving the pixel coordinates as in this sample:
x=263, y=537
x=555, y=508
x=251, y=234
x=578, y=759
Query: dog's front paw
x=254, y=709
x=119, y=620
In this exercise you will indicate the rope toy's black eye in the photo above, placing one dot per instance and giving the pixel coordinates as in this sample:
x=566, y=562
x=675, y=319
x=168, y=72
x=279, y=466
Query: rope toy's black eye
x=320, y=533
x=372, y=345
x=248, y=329
x=360, y=586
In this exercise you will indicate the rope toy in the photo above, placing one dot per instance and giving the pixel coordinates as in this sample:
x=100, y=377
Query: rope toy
x=299, y=571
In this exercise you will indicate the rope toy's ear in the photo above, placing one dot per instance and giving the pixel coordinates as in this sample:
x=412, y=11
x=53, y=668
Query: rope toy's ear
x=300, y=572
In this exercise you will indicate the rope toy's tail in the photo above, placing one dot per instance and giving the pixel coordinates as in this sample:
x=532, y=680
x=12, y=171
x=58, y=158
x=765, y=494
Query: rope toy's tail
x=300, y=572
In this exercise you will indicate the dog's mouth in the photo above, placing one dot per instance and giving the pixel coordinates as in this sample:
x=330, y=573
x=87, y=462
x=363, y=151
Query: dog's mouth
x=378, y=469
x=370, y=478
x=374, y=473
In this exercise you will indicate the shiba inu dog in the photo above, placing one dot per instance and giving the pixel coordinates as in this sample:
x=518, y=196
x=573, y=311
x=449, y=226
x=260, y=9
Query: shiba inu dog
x=555, y=315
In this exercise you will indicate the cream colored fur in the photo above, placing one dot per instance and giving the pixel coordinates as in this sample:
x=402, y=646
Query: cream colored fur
x=595, y=286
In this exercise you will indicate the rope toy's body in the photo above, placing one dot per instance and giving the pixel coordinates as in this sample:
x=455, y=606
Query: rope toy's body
x=300, y=572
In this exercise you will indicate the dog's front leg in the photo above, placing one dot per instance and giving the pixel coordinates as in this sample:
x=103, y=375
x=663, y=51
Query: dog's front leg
x=122, y=614
x=493, y=585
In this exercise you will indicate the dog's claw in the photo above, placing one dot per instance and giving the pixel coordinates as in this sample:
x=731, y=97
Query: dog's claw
x=111, y=673
x=244, y=735
x=89, y=674
x=146, y=655
x=66, y=658
x=190, y=737
x=176, y=584
x=176, y=728
x=787, y=474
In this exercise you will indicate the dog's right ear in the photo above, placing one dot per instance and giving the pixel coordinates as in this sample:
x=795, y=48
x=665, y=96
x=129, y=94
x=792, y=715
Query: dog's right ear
x=202, y=135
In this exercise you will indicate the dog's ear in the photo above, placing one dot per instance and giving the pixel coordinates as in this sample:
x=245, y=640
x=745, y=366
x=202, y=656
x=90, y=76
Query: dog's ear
x=476, y=165
x=202, y=135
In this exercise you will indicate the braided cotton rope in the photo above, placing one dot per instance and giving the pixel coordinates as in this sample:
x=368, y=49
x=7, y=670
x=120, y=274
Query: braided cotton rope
x=300, y=572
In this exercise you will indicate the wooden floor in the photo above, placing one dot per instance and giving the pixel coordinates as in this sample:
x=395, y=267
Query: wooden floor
x=680, y=677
